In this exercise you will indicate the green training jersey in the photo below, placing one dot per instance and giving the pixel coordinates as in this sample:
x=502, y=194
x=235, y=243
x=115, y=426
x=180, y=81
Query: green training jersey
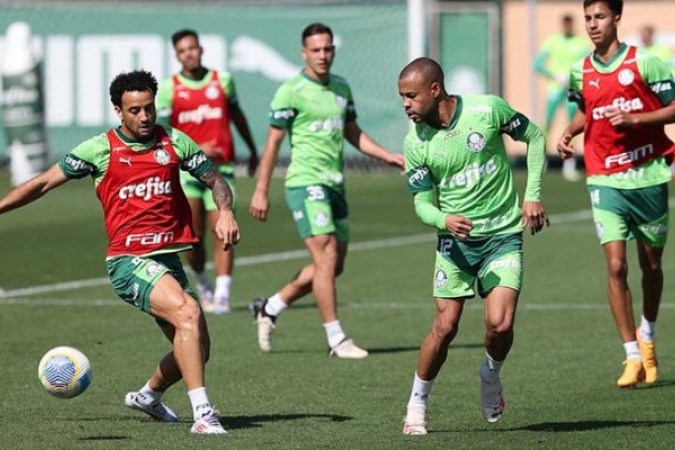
x=314, y=115
x=466, y=165
x=91, y=157
x=660, y=80
x=663, y=53
x=165, y=93
x=559, y=52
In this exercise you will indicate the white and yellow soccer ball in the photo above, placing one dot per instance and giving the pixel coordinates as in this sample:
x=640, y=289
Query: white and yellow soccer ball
x=65, y=372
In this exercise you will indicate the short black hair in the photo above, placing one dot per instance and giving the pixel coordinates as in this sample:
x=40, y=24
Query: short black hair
x=427, y=67
x=568, y=18
x=136, y=81
x=180, y=34
x=616, y=6
x=315, y=28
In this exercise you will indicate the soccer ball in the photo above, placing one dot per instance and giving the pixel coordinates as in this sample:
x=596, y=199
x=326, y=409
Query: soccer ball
x=65, y=372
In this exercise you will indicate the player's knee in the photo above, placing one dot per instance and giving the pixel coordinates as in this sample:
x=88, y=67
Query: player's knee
x=445, y=328
x=187, y=314
x=651, y=267
x=499, y=327
x=617, y=268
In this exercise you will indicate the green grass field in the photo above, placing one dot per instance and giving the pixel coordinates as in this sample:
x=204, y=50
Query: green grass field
x=559, y=378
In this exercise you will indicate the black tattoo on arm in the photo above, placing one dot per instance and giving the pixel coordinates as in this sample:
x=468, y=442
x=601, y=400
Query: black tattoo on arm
x=222, y=194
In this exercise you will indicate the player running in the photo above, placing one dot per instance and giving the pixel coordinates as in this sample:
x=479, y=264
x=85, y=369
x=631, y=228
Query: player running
x=461, y=180
x=625, y=98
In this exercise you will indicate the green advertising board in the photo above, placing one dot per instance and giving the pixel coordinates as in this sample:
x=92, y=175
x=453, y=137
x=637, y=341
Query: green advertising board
x=84, y=46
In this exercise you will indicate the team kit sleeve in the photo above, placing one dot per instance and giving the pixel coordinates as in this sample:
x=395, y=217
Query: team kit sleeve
x=192, y=159
x=227, y=82
x=164, y=102
x=421, y=186
x=282, y=108
x=574, y=94
x=521, y=129
x=658, y=77
x=83, y=160
x=351, y=106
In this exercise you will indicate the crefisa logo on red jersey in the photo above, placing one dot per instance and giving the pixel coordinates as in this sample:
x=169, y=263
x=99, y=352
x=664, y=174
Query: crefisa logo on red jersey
x=621, y=103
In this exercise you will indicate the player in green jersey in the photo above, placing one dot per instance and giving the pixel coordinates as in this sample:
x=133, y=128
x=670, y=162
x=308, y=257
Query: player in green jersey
x=190, y=102
x=462, y=184
x=317, y=110
x=633, y=202
x=659, y=51
x=153, y=281
x=553, y=62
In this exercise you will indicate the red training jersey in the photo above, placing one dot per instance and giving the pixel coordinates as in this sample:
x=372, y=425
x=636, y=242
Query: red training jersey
x=144, y=207
x=609, y=149
x=204, y=115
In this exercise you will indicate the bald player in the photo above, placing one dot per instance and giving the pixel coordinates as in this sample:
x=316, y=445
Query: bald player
x=461, y=181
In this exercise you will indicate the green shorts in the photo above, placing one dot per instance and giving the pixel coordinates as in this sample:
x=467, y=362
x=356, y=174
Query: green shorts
x=492, y=261
x=134, y=277
x=194, y=189
x=623, y=214
x=318, y=209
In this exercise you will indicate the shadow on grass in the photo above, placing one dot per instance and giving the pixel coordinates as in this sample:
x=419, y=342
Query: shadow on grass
x=103, y=438
x=416, y=348
x=660, y=384
x=234, y=422
x=569, y=427
x=589, y=425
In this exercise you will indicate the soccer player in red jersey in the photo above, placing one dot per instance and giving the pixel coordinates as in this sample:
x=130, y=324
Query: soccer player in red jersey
x=135, y=168
x=625, y=98
x=203, y=103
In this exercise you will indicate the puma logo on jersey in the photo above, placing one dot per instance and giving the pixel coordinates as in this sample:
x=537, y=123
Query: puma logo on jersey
x=126, y=161
x=621, y=103
x=183, y=94
x=595, y=83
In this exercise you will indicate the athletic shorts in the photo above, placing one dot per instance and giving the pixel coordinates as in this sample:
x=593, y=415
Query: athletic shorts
x=195, y=190
x=318, y=209
x=134, y=277
x=490, y=262
x=623, y=214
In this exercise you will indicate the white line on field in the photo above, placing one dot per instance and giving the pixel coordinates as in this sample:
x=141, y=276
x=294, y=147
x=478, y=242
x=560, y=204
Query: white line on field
x=575, y=216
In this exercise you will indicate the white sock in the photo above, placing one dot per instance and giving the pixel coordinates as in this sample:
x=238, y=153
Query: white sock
x=493, y=365
x=334, y=333
x=223, y=283
x=275, y=305
x=570, y=165
x=200, y=402
x=419, y=396
x=647, y=330
x=203, y=279
x=147, y=396
x=632, y=350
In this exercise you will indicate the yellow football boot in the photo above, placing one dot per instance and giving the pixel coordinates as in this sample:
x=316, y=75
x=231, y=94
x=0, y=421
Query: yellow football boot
x=649, y=361
x=633, y=373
